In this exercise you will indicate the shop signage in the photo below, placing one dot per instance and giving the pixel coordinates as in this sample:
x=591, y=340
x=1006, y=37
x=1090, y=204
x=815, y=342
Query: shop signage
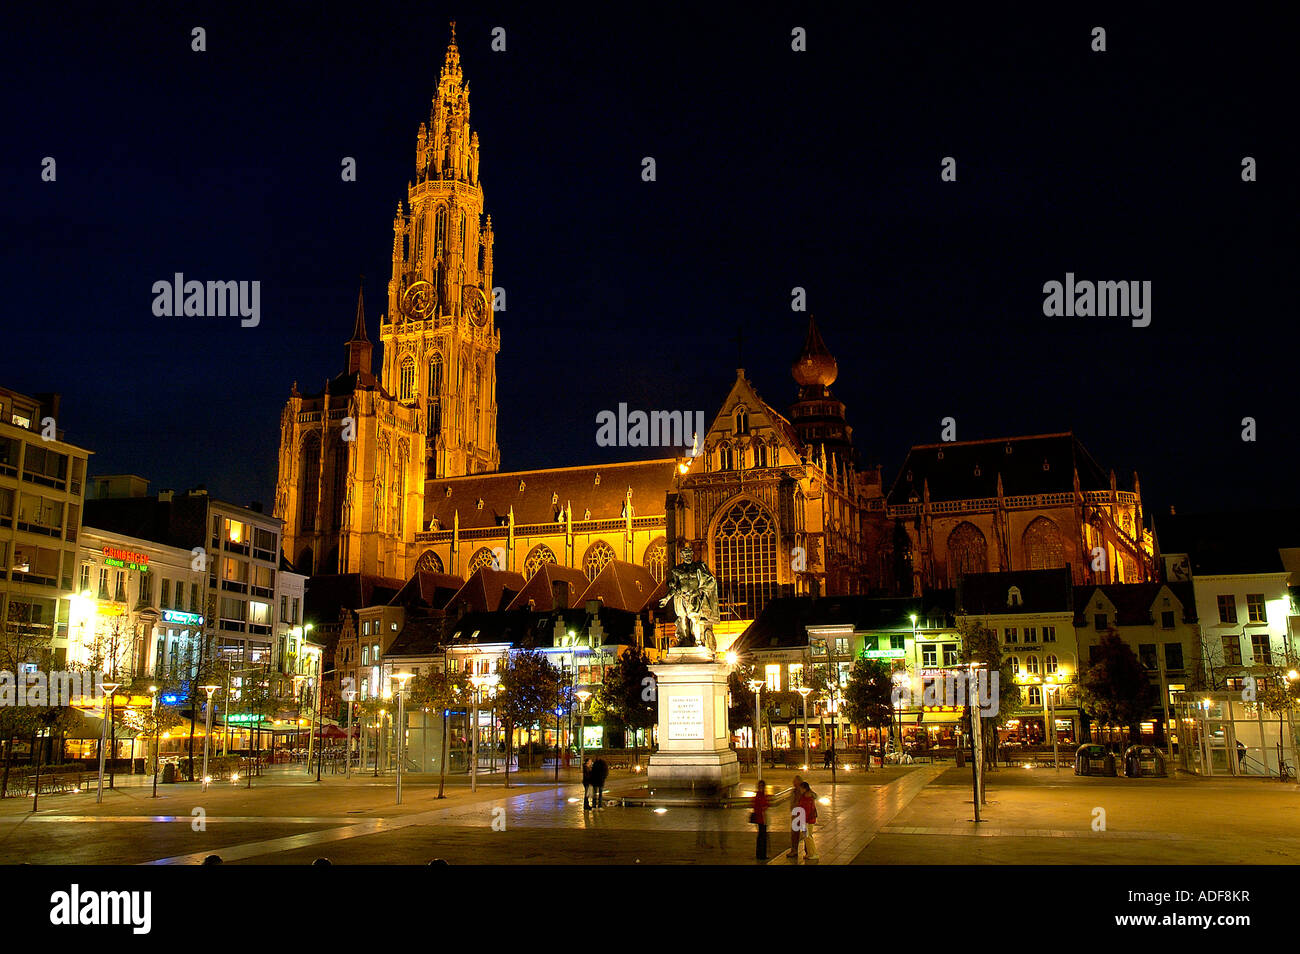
x=111, y=609
x=884, y=654
x=189, y=619
x=686, y=717
x=126, y=559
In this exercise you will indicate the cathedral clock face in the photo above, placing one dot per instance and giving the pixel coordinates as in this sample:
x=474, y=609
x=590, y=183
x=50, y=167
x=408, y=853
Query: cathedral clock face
x=418, y=301
x=476, y=305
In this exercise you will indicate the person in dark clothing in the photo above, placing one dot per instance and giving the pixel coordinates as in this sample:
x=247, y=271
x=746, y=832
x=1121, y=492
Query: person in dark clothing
x=586, y=785
x=828, y=760
x=599, y=772
x=759, y=817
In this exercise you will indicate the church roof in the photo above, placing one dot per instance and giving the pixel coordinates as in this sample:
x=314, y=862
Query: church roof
x=540, y=588
x=545, y=493
x=428, y=589
x=487, y=591
x=624, y=586
x=965, y=470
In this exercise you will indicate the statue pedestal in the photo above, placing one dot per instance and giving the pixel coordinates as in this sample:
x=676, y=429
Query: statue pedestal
x=693, y=735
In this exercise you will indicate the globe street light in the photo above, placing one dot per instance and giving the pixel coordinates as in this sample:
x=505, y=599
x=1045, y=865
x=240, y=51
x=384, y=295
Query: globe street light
x=803, y=691
x=109, y=689
x=153, y=708
x=207, y=735
x=757, y=686
x=583, y=695
x=401, y=678
x=349, y=695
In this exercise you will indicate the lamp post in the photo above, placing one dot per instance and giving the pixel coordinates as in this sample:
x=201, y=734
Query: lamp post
x=401, y=678
x=803, y=691
x=757, y=686
x=476, y=681
x=349, y=695
x=153, y=708
x=109, y=689
x=583, y=695
x=207, y=734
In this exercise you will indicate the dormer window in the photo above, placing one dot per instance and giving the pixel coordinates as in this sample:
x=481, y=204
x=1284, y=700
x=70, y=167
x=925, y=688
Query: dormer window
x=480, y=503
x=1013, y=597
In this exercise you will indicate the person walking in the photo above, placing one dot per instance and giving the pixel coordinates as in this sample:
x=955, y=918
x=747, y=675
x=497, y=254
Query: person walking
x=805, y=816
x=758, y=816
x=599, y=772
x=586, y=785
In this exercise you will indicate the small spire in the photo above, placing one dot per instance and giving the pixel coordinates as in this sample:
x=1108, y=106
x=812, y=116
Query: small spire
x=451, y=64
x=359, y=332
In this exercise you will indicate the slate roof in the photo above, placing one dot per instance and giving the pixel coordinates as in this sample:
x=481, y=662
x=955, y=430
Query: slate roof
x=420, y=636
x=1135, y=603
x=1228, y=543
x=540, y=587
x=1041, y=591
x=783, y=622
x=650, y=482
x=953, y=477
x=624, y=586
x=327, y=594
x=487, y=591
x=427, y=590
x=519, y=627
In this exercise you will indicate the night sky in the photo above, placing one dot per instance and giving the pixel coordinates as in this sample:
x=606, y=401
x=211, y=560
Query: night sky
x=775, y=169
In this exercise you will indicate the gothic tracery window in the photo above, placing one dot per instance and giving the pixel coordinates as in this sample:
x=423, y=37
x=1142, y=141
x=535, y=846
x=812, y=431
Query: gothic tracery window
x=745, y=545
x=310, y=483
x=483, y=557
x=967, y=551
x=537, y=558
x=440, y=228
x=429, y=562
x=406, y=386
x=656, y=559
x=1044, y=547
x=599, y=555
x=726, y=459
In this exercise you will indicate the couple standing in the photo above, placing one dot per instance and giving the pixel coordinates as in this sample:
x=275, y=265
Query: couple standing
x=594, y=774
x=803, y=815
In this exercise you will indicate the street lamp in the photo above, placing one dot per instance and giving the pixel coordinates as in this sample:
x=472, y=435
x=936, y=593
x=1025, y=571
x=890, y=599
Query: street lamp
x=109, y=689
x=349, y=695
x=476, y=681
x=207, y=735
x=583, y=696
x=153, y=708
x=803, y=691
x=401, y=678
x=757, y=686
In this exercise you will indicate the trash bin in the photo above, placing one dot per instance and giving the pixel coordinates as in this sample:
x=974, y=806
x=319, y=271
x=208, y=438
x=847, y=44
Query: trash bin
x=961, y=758
x=1093, y=759
x=1144, y=761
x=169, y=774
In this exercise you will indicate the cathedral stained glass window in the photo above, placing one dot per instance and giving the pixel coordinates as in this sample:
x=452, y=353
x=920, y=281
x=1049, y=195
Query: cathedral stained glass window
x=1044, y=547
x=967, y=551
x=537, y=558
x=745, y=548
x=599, y=555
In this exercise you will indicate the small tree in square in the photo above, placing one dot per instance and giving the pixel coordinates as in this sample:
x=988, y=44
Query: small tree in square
x=527, y=688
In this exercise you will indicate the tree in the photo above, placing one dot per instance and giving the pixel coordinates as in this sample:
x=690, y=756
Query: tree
x=1278, y=695
x=740, y=711
x=438, y=690
x=626, y=696
x=527, y=685
x=1115, y=689
x=22, y=642
x=980, y=646
x=869, y=696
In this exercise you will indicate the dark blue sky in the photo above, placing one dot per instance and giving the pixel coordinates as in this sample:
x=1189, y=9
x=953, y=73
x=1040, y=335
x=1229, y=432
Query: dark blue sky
x=775, y=169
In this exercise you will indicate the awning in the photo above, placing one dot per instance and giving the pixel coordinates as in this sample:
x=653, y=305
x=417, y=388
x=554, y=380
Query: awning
x=91, y=726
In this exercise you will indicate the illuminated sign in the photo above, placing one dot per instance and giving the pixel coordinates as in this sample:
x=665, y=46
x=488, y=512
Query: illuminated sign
x=189, y=619
x=126, y=559
x=884, y=654
x=111, y=609
x=171, y=699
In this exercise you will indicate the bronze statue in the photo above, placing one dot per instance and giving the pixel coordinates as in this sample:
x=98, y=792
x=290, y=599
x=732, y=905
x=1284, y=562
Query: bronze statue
x=693, y=591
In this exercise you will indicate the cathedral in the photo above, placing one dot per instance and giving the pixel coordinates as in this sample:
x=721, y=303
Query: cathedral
x=389, y=473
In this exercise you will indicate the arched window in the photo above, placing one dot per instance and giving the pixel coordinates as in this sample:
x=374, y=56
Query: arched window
x=599, y=555
x=440, y=228
x=1031, y=665
x=760, y=455
x=338, y=489
x=656, y=559
x=419, y=238
x=435, y=375
x=1050, y=665
x=429, y=562
x=537, y=558
x=1035, y=696
x=968, y=551
x=742, y=421
x=1015, y=664
x=474, y=429
x=483, y=557
x=726, y=459
x=462, y=230
x=745, y=547
x=310, y=483
x=406, y=387
x=1044, y=548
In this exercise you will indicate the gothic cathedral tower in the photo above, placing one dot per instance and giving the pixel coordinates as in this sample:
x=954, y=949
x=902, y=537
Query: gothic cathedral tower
x=439, y=338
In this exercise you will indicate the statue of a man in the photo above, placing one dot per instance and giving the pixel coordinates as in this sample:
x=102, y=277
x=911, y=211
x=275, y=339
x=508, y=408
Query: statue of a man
x=693, y=591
